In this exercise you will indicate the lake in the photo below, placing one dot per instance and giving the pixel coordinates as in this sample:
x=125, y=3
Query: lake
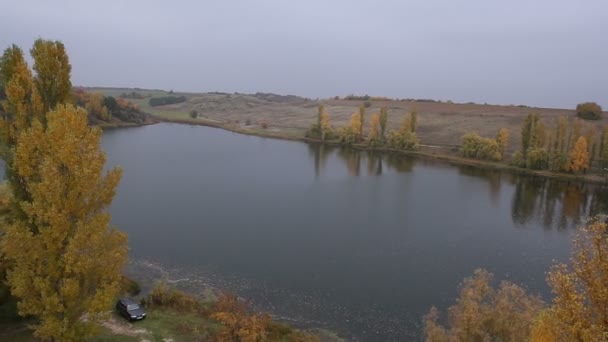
x=359, y=243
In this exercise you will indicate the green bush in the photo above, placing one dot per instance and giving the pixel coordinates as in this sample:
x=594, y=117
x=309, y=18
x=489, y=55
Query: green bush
x=589, y=111
x=193, y=114
x=403, y=141
x=477, y=147
x=537, y=158
x=517, y=159
x=348, y=136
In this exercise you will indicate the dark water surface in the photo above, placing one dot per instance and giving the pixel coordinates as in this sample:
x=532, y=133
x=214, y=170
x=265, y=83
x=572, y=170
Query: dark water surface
x=360, y=243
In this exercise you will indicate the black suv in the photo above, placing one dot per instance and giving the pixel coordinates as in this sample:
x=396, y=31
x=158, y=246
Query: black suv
x=130, y=310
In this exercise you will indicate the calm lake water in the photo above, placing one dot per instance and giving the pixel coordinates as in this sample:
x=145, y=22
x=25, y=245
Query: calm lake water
x=362, y=244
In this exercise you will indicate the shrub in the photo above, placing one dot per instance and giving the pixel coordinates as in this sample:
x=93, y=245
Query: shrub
x=264, y=124
x=477, y=147
x=248, y=122
x=129, y=286
x=164, y=297
x=537, y=158
x=589, y=111
x=403, y=140
x=193, y=114
x=367, y=104
x=517, y=159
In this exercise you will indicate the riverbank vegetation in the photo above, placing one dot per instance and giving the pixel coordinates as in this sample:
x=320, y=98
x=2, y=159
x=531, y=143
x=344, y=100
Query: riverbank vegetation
x=404, y=138
x=577, y=311
x=227, y=318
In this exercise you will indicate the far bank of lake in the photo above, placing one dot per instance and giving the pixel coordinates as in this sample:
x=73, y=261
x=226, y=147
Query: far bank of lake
x=446, y=153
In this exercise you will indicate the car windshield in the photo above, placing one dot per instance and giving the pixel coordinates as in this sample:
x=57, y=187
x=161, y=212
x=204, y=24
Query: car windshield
x=132, y=307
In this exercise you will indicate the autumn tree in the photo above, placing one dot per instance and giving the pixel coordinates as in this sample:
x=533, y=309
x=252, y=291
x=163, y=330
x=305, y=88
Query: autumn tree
x=11, y=56
x=350, y=133
x=96, y=108
x=22, y=103
x=383, y=122
x=413, y=120
x=361, y=121
x=561, y=131
x=502, y=139
x=589, y=111
x=324, y=124
x=67, y=260
x=404, y=138
x=580, y=306
x=322, y=128
x=477, y=147
x=579, y=156
x=576, y=131
x=483, y=313
x=53, y=70
x=526, y=133
x=239, y=323
x=374, y=130
x=538, y=137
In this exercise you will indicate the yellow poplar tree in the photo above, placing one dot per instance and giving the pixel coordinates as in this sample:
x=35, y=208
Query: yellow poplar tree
x=355, y=125
x=580, y=306
x=361, y=121
x=67, y=260
x=23, y=101
x=374, y=129
x=324, y=124
x=9, y=58
x=502, y=139
x=406, y=125
x=414, y=120
x=579, y=156
x=53, y=70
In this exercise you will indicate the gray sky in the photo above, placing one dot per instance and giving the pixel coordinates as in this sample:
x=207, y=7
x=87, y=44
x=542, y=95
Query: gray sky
x=536, y=52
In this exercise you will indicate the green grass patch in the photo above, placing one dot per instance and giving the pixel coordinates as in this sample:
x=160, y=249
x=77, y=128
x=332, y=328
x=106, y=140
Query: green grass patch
x=160, y=325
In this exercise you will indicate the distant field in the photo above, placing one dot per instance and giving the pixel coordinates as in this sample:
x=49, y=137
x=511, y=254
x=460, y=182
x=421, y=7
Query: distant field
x=439, y=123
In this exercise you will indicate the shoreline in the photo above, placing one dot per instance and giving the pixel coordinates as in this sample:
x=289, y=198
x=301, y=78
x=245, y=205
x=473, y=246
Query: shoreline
x=448, y=158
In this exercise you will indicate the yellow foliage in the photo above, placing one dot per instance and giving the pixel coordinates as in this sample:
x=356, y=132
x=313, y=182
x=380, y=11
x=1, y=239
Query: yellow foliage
x=239, y=323
x=581, y=296
x=350, y=133
x=406, y=125
x=374, y=129
x=67, y=259
x=579, y=156
x=52, y=73
x=544, y=328
x=485, y=314
x=96, y=107
x=325, y=125
x=502, y=139
x=355, y=122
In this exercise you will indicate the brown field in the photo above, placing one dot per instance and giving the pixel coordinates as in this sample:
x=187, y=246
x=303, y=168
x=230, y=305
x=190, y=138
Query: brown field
x=440, y=123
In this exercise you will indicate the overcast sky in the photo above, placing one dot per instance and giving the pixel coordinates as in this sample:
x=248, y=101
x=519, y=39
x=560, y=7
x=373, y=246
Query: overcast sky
x=536, y=52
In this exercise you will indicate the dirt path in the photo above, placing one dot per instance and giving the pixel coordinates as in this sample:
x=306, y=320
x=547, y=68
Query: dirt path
x=120, y=327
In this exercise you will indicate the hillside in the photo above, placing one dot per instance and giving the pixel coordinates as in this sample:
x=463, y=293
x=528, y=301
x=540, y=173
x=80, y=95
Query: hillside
x=440, y=123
